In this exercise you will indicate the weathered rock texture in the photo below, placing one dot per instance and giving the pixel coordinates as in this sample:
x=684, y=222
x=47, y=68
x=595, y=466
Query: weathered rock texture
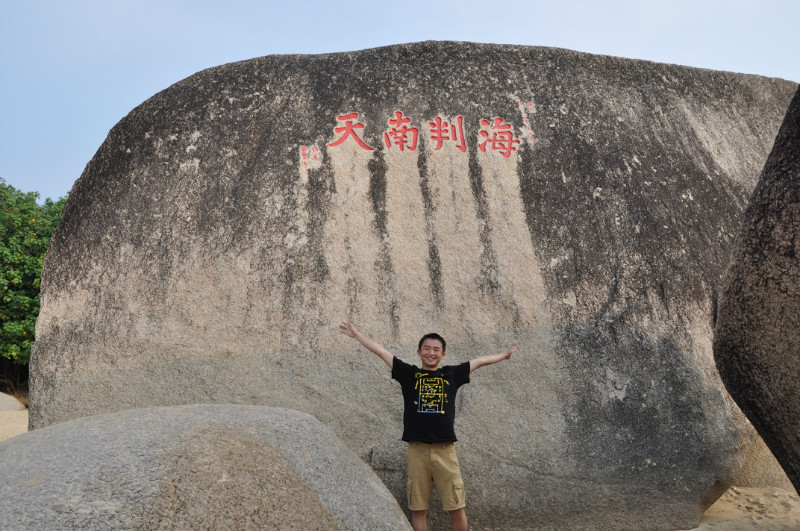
x=760, y=469
x=191, y=467
x=757, y=342
x=228, y=223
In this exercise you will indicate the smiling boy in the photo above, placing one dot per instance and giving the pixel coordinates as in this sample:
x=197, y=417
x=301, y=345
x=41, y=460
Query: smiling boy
x=429, y=394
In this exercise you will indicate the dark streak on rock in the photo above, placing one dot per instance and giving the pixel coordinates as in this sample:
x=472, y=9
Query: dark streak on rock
x=489, y=284
x=320, y=184
x=383, y=266
x=434, y=262
x=377, y=191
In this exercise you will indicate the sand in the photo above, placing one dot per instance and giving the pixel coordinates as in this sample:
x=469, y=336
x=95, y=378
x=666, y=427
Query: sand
x=13, y=423
x=739, y=509
x=753, y=509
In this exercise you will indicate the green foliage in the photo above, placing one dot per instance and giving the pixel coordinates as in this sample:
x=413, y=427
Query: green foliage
x=25, y=229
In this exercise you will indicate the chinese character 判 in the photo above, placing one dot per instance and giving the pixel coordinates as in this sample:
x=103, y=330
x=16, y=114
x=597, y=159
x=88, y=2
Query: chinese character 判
x=349, y=130
x=502, y=139
x=399, y=134
x=441, y=131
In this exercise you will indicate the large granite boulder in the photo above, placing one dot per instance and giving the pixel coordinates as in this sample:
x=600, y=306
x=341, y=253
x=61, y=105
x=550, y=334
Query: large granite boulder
x=757, y=342
x=191, y=467
x=582, y=205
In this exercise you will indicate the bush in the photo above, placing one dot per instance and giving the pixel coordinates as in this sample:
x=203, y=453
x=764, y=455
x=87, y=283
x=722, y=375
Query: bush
x=25, y=230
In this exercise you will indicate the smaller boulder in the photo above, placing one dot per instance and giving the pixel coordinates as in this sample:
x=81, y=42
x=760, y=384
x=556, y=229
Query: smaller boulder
x=191, y=467
x=757, y=338
x=9, y=403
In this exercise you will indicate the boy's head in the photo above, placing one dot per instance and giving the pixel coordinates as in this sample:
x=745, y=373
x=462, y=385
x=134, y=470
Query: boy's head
x=431, y=351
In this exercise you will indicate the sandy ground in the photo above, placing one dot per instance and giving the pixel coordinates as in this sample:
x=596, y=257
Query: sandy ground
x=749, y=509
x=739, y=509
x=13, y=423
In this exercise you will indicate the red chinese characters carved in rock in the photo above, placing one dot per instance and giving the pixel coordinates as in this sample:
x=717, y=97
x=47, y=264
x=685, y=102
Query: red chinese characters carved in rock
x=309, y=156
x=348, y=130
x=500, y=139
x=442, y=131
x=400, y=135
x=524, y=109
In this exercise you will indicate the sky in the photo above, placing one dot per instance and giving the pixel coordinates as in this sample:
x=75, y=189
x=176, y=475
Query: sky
x=70, y=70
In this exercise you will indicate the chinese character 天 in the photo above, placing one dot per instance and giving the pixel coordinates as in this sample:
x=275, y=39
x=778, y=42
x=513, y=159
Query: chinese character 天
x=348, y=130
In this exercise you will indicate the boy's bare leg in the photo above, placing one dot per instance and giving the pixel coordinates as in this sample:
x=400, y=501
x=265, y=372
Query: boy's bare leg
x=459, y=520
x=419, y=520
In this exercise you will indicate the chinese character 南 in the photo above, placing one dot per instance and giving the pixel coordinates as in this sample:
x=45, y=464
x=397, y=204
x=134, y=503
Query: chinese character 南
x=501, y=139
x=349, y=130
x=399, y=134
x=441, y=131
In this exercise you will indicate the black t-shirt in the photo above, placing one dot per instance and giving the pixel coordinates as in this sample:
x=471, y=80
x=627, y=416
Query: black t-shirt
x=430, y=400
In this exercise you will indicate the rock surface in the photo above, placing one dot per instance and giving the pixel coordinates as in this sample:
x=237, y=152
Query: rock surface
x=9, y=403
x=757, y=342
x=582, y=205
x=762, y=470
x=191, y=467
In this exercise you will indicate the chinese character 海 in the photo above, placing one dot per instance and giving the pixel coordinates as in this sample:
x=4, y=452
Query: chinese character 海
x=501, y=139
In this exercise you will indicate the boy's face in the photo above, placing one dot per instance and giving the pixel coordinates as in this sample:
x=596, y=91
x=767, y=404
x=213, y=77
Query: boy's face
x=431, y=354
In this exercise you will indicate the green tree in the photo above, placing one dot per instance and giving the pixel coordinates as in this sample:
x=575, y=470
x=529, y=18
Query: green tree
x=25, y=230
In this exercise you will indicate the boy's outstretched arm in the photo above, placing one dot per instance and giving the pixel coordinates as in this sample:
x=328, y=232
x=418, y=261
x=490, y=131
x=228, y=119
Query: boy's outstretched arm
x=348, y=329
x=492, y=358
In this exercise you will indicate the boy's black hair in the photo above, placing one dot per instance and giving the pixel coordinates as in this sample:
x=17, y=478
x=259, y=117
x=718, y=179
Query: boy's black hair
x=432, y=336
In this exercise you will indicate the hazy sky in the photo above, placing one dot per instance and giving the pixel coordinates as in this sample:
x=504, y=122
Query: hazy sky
x=70, y=70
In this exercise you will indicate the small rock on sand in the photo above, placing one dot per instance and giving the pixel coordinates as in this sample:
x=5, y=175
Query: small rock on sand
x=9, y=403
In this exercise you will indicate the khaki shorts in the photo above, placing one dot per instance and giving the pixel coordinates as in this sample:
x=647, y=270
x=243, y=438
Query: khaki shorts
x=434, y=464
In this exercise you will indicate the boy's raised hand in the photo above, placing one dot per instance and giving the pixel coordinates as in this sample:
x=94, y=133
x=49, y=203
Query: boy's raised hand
x=347, y=328
x=510, y=352
x=492, y=358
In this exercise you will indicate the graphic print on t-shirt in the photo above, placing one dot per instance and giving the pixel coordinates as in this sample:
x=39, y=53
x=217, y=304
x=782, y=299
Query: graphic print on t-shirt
x=431, y=393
